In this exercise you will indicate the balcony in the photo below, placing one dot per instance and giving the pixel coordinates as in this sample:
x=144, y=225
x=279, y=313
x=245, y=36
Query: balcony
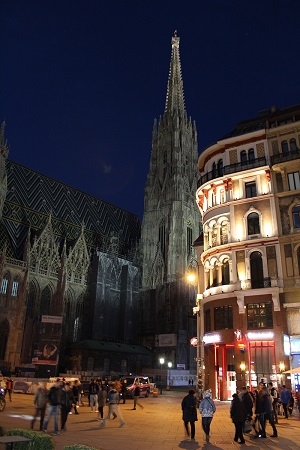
x=232, y=168
x=284, y=157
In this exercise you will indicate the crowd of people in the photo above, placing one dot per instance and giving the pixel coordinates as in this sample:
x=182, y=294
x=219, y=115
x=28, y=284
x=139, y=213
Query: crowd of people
x=248, y=410
x=63, y=398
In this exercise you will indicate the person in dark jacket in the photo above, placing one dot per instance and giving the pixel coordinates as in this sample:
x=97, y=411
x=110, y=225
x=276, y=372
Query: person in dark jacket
x=189, y=413
x=238, y=416
x=285, y=398
x=54, y=397
x=269, y=413
x=247, y=400
x=75, y=391
x=67, y=400
x=136, y=394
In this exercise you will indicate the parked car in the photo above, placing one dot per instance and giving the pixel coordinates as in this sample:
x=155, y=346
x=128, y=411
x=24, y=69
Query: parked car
x=144, y=383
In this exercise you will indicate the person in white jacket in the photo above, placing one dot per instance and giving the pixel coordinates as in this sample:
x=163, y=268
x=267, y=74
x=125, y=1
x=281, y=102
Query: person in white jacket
x=207, y=409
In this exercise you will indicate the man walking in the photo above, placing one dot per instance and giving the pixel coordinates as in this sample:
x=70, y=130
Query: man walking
x=114, y=408
x=136, y=394
x=54, y=398
x=285, y=398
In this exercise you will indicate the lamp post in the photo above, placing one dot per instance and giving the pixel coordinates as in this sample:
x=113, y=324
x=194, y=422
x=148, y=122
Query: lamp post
x=168, y=377
x=197, y=310
x=161, y=362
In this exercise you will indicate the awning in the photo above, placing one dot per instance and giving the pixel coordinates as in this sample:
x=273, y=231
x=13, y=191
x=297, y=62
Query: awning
x=296, y=370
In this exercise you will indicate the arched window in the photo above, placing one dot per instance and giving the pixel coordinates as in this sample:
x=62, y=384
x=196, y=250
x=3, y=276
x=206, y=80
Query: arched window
x=224, y=232
x=251, y=155
x=253, y=224
x=214, y=170
x=4, y=284
x=225, y=272
x=45, y=301
x=215, y=275
x=220, y=168
x=14, y=287
x=296, y=216
x=243, y=157
x=284, y=147
x=4, y=333
x=162, y=237
x=256, y=268
x=293, y=145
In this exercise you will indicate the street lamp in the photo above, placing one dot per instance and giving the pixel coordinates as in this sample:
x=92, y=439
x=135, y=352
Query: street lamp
x=194, y=278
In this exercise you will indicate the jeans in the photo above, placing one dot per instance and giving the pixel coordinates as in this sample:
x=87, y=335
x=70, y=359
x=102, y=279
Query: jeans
x=206, y=421
x=52, y=409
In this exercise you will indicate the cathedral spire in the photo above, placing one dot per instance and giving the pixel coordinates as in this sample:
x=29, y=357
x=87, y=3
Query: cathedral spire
x=175, y=95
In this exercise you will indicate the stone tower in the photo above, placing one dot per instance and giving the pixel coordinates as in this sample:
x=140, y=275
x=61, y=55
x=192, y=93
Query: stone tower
x=171, y=221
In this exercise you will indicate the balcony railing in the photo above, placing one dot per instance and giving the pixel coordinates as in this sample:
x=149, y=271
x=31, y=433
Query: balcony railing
x=232, y=168
x=283, y=157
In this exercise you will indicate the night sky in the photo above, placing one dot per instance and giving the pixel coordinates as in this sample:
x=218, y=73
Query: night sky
x=82, y=80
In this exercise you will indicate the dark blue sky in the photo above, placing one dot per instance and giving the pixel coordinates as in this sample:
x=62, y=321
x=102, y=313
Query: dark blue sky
x=82, y=80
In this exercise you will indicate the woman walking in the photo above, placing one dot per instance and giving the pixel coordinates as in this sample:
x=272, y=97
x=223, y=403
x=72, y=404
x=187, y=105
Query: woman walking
x=207, y=409
x=189, y=413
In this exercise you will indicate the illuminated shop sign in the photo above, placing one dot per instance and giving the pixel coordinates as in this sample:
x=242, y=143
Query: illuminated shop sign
x=260, y=335
x=211, y=338
x=286, y=345
x=295, y=346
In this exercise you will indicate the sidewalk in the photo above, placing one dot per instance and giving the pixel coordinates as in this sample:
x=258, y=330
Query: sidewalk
x=158, y=426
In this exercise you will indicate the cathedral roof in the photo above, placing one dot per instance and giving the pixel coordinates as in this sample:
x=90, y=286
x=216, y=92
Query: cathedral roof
x=31, y=197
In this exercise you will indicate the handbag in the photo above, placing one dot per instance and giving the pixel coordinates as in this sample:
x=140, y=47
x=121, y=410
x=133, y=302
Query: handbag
x=247, y=426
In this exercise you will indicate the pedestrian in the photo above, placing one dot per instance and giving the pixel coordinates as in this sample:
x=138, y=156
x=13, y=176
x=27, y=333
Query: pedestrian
x=298, y=400
x=207, y=409
x=102, y=397
x=274, y=397
x=114, y=408
x=260, y=431
x=67, y=400
x=238, y=416
x=136, y=394
x=124, y=391
x=80, y=394
x=248, y=402
x=40, y=402
x=93, y=395
x=75, y=391
x=285, y=398
x=269, y=414
x=9, y=387
x=189, y=413
x=53, y=407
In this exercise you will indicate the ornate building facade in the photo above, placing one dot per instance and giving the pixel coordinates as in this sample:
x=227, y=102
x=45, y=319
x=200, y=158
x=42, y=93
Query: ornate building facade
x=171, y=223
x=69, y=276
x=248, y=196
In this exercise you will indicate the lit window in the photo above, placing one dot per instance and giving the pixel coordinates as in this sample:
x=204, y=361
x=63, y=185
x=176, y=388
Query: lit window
x=259, y=315
x=14, y=288
x=296, y=216
x=4, y=285
x=294, y=181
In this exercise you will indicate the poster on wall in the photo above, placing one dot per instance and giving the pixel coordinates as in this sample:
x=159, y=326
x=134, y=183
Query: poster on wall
x=46, y=351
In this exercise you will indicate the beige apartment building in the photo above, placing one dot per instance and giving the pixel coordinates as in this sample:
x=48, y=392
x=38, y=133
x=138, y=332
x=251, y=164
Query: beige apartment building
x=249, y=198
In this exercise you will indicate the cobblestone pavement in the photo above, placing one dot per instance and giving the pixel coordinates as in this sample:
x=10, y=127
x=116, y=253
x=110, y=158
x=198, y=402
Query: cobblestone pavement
x=158, y=426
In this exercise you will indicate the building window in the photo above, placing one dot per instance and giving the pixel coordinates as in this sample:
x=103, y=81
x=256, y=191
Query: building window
x=225, y=272
x=214, y=170
x=284, y=147
x=253, y=224
x=243, y=157
x=257, y=272
x=207, y=321
x=223, y=317
x=293, y=145
x=296, y=216
x=4, y=285
x=224, y=232
x=220, y=168
x=294, y=181
x=250, y=189
x=259, y=315
x=251, y=155
x=222, y=196
x=189, y=239
x=162, y=238
x=14, y=288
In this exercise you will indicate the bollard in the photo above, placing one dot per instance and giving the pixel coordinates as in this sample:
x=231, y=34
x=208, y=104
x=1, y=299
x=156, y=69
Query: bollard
x=155, y=392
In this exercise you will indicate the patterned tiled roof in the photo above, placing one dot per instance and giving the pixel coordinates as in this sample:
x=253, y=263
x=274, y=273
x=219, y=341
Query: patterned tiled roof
x=31, y=197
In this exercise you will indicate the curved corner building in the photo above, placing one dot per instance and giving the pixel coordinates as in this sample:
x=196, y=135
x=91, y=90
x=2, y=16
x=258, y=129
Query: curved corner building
x=249, y=198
